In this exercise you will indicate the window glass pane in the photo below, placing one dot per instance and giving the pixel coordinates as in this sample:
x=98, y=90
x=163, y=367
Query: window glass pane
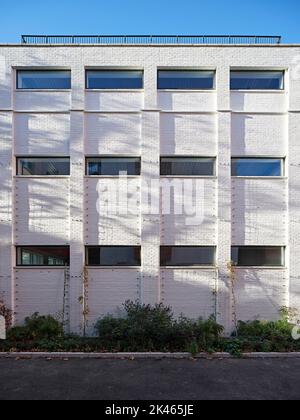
x=257, y=80
x=43, y=79
x=113, y=166
x=188, y=166
x=114, y=79
x=187, y=256
x=48, y=256
x=114, y=256
x=258, y=256
x=44, y=166
x=257, y=167
x=186, y=80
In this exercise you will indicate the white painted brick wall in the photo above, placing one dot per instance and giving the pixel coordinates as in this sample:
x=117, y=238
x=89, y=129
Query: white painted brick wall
x=184, y=102
x=39, y=290
x=188, y=134
x=111, y=227
x=259, y=102
x=190, y=292
x=42, y=101
x=6, y=206
x=259, y=212
x=42, y=211
x=108, y=291
x=111, y=134
x=42, y=134
x=113, y=101
x=259, y=135
x=149, y=123
x=260, y=294
x=187, y=229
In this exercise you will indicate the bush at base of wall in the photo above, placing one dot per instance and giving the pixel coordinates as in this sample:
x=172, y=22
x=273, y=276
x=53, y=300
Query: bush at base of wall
x=146, y=328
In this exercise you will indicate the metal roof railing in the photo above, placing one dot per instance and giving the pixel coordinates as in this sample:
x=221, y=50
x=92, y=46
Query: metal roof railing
x=150, y=39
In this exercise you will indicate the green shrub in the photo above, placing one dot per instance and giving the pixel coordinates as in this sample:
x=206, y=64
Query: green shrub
x=37, y=328
x=154, y=328
x=281, y=329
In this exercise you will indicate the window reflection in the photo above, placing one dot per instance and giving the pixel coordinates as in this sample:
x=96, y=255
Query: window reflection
x=187, y=256
x=257, y=80
x=43, y=166
x=258, y=256
x=114, y=79
x=186, y=79
x=113, y=256
x=43, y=79
x=43, y=256
x=257, y=167
x=113, y=166
x=185, y=166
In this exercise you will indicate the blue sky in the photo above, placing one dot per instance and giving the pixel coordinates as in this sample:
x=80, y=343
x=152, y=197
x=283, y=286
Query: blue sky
x=258, y=17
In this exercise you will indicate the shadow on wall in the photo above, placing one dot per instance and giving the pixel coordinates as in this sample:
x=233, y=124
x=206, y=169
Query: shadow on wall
x=42, y=134
x=182, y=290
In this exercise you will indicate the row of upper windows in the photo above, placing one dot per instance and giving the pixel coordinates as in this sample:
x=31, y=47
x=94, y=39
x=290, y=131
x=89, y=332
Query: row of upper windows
x=169, y=166
x=166, y=79
x=170, y=256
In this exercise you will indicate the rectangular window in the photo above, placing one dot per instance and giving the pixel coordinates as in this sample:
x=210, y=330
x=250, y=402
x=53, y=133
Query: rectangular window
x=257, y=167
x=186, y=79
x=43, y=166
x=114, y=79
x=257, y=80
x=105, y=166
x=43, y=256
x=172, y=256
x=187, y=166
x=110, y=256
x=44, y=79
x=258, y=256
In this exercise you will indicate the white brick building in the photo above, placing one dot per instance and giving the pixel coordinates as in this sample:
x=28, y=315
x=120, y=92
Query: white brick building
x=219, y=122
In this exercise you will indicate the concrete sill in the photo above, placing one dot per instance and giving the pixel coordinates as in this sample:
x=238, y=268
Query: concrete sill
x=190, y=267
x=115, y=90
x=112, y=177
x=261, y=177
x=43, y=90
x=40, y=267
x=42, y=176
x=280, y=92
x=190, y=176
x=188, y=90
x=117, y=267
x=259, y=268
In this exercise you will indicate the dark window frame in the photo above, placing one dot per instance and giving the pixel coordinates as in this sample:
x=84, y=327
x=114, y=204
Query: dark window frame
x=19, y=249
x=87, y=158
x=214, y=158
x=282, y=89
x=87, y=70
x=43, y=71
x=283, y=166
x=186, y=89
x=137, y=247
x=41, y=157
x=283, y=255
x=211, y=247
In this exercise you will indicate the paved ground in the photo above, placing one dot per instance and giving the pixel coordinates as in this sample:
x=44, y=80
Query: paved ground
x=149, y=379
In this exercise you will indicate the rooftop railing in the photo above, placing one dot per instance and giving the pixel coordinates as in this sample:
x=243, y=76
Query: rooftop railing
x=150, y=40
